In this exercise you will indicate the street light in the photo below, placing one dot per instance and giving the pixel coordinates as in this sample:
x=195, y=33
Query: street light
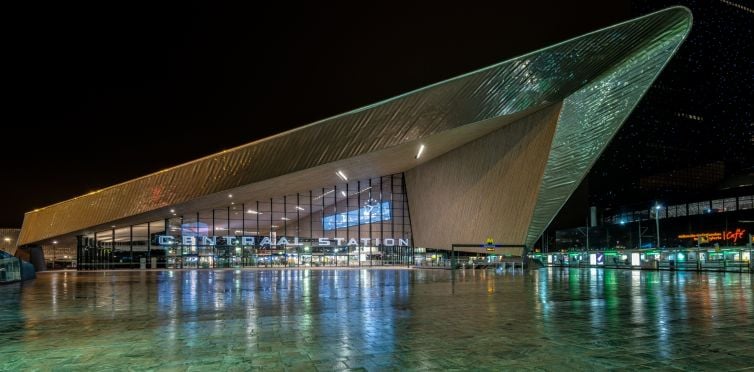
x=54, y=249
x=630, y=235
x=640, y=230
x=657, y=223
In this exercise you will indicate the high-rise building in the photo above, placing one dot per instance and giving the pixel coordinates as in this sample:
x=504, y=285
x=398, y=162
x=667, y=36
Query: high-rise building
x=686, y=153
x=692, y=135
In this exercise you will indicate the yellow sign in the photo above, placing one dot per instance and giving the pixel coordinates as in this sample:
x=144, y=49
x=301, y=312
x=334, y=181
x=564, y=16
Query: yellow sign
x=490, y=244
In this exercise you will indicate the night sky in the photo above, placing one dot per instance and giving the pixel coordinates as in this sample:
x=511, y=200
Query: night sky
x=103, y=93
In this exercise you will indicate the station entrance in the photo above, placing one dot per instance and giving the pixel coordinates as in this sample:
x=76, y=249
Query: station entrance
x=494, y=255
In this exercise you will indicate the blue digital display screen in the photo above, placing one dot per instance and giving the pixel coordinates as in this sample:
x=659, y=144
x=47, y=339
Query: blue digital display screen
x=369, y=214
x=195, y=229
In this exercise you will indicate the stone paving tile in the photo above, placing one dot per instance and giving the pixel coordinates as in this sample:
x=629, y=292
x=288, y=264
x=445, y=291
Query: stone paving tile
x=376, y=320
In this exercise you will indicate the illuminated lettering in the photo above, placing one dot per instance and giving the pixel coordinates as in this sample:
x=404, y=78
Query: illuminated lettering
x=733, y=236
x=390, y=242
x=165, y=240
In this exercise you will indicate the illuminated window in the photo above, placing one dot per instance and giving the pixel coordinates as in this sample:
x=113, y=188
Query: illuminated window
x=717, y=205
x=671, y=211
x=729, y=204
x=680, y=210
x=746, y=202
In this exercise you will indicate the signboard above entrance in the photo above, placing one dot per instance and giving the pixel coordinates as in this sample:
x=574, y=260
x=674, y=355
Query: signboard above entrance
x=369, y=213
x=490, y=245
x=730, y=235
x=267, y=241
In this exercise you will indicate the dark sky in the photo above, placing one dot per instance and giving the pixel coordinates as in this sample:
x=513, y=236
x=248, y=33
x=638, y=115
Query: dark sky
x=105, y=92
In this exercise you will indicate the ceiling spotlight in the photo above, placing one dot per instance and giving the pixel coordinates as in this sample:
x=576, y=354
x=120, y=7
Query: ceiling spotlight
x=343, y=193
x=230, y=195
x=421, y=150
x=285, y=218
x=299, y=208
x=341, y=175
x=172, y=211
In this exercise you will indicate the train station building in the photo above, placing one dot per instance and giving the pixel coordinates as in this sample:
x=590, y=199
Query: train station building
x=492, y=153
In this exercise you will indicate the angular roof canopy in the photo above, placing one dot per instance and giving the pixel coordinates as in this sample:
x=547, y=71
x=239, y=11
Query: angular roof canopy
x=598, y=78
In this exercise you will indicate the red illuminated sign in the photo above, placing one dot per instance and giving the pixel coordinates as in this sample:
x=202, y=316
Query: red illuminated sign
x=733, y=236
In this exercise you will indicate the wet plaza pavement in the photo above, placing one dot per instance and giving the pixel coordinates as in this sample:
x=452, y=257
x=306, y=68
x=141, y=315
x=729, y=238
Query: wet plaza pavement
x=550, y=319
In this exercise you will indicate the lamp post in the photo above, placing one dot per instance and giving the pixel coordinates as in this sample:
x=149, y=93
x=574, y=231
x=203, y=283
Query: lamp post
x=657, y=223
x=639, y=231
x=54, y=248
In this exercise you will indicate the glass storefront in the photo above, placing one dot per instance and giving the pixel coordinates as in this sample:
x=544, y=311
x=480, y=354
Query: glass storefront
x=356, y=223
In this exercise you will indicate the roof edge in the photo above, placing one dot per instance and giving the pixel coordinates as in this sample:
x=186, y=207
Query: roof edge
x=350, y=112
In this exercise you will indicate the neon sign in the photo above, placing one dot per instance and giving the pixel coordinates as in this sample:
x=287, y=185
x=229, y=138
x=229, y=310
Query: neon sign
x=733, y=236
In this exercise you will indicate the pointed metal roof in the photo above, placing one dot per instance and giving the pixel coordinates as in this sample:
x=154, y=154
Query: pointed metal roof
x=599, y=77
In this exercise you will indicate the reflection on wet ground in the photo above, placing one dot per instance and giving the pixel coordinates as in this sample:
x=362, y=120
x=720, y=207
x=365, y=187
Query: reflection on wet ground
x=552, y=319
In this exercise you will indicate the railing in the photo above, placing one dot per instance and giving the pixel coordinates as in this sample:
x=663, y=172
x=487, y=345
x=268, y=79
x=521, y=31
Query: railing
x=10, y=270
x=728, y=259
x=517, y=263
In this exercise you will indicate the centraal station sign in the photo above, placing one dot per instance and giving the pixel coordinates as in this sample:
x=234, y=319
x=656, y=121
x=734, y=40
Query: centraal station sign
x=283, y=241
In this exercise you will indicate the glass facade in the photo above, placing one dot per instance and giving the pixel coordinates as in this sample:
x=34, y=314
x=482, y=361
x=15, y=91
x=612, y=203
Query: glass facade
x=10, y=268
x=356, y=223
x=720, y=223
